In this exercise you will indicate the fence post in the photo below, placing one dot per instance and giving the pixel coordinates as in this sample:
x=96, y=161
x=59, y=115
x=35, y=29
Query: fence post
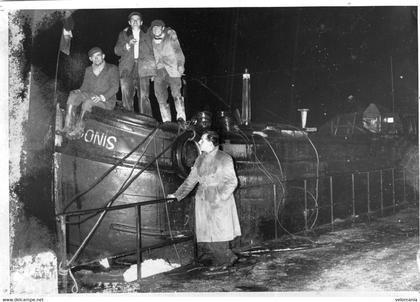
x=404, y=193
x=382, y=192
x=275, y=210
x=353, y=195
x=368, y=194
x=305, y=212
x=138, y=241
x=63, y=249
x=332, y=203
x=393, y=190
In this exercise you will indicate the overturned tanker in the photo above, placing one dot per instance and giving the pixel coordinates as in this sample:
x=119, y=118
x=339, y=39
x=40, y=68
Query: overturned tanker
x=285, y=176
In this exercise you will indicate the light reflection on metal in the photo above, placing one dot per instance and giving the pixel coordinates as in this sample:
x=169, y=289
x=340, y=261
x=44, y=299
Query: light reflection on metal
x=303, y=117
x=246, y=97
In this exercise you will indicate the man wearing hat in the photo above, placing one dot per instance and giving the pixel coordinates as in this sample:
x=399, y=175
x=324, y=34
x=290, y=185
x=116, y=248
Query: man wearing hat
x=137, y=65
x=99, y=88
x=170, y=67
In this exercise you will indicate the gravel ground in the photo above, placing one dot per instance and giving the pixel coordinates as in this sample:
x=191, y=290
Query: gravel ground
x=376, y=256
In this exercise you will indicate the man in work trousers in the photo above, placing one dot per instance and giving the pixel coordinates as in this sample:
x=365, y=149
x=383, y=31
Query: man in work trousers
x=170, y=62
x=99, y=88
x=216, y=217
x=137, y=65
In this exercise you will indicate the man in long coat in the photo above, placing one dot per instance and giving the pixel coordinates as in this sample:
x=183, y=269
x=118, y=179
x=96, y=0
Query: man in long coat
x=216, y=217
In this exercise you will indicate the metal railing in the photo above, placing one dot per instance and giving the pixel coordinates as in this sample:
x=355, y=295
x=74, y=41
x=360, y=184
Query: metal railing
x=341, y=196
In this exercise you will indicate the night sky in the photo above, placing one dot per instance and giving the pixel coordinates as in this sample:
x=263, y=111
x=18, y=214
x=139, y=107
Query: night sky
x=328, y=59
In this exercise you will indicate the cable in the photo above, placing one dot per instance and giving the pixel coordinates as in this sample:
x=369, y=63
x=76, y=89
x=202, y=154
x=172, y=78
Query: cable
x=282, y=186
x=64, y=272
x=108, y=171
x=166, y=206
x=125, y=181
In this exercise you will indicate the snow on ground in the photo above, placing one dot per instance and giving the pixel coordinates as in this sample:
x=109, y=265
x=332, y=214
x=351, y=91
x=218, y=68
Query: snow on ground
x=379, y=256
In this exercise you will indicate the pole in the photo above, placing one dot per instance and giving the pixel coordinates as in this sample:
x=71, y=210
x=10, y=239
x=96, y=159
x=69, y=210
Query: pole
x=305, y=213
x=138, y=239
x=382, y=192
x=353, y=195
x=368, y=194
x=275, y=210
x=392, y=86
x=332, y=203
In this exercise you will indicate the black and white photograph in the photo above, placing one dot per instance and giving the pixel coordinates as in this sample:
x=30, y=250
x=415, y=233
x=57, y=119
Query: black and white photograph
x=220, y=149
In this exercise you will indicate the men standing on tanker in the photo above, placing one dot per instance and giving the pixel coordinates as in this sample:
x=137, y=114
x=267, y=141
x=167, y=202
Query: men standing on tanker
x=99, y=88
x=216, y=217
x=137, y=65
x=170, y=62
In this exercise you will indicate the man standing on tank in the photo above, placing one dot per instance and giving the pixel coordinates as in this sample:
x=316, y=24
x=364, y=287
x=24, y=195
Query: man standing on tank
x=170, y=62
x=136, y=65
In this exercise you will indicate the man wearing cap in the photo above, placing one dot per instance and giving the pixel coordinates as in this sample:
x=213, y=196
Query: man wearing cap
x=170, y=62
x=137, y=65
x=99, y=88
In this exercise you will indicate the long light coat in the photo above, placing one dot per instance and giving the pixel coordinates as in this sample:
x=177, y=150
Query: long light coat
x=216, y=217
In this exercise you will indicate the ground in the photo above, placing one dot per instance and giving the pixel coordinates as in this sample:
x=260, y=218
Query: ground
x=376, y=255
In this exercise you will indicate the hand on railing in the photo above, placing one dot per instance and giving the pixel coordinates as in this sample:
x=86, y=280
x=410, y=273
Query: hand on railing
x=171, y=196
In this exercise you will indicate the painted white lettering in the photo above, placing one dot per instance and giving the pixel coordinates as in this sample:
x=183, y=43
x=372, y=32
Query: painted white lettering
x=110, y=142
x=89, y=133
x=98, y=138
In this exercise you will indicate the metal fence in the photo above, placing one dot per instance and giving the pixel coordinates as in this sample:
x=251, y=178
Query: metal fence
x=305, y=204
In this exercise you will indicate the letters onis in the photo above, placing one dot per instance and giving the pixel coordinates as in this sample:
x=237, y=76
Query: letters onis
x=100, y=139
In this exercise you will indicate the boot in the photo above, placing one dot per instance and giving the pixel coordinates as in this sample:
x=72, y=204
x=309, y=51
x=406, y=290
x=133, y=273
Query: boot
x=70, y=118
x=145, y=107
x=79, y=129
x=180, y=109
x=165, y=112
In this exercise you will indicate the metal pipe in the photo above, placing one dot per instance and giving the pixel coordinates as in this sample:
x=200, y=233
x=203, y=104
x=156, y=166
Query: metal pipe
x=382, y=193
x=332, y=203
x=115, y=208
x=368, y=194
x=305, y=212
x=138, y=241
x=393, y=189
x=404, y=193
x=275, y=210
x=353, y=195
x=63, y=249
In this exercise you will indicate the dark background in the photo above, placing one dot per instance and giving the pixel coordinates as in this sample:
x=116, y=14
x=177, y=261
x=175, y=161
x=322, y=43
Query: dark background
x=328, y=59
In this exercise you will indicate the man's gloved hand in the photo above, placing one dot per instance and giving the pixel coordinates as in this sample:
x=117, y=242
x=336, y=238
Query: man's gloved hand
x=181, y=70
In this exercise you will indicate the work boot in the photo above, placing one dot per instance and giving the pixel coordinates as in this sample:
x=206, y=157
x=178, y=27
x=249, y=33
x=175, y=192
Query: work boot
x=180, y=108
x=69, y=119
x=79, y=129
x=145, y=107
x=165, y=112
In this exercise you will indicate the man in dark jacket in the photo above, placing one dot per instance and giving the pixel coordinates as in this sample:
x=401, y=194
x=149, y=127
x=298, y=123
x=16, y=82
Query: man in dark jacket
x=170, y=62
x=99, y=88
x=137, y=65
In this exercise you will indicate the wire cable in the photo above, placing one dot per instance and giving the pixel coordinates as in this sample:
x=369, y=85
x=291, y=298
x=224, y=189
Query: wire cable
x=100, y=179
x=125, y=181
x=166, y=206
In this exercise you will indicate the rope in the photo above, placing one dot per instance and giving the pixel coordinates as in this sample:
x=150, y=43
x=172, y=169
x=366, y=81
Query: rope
x=64, y=272
x=166, y=206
